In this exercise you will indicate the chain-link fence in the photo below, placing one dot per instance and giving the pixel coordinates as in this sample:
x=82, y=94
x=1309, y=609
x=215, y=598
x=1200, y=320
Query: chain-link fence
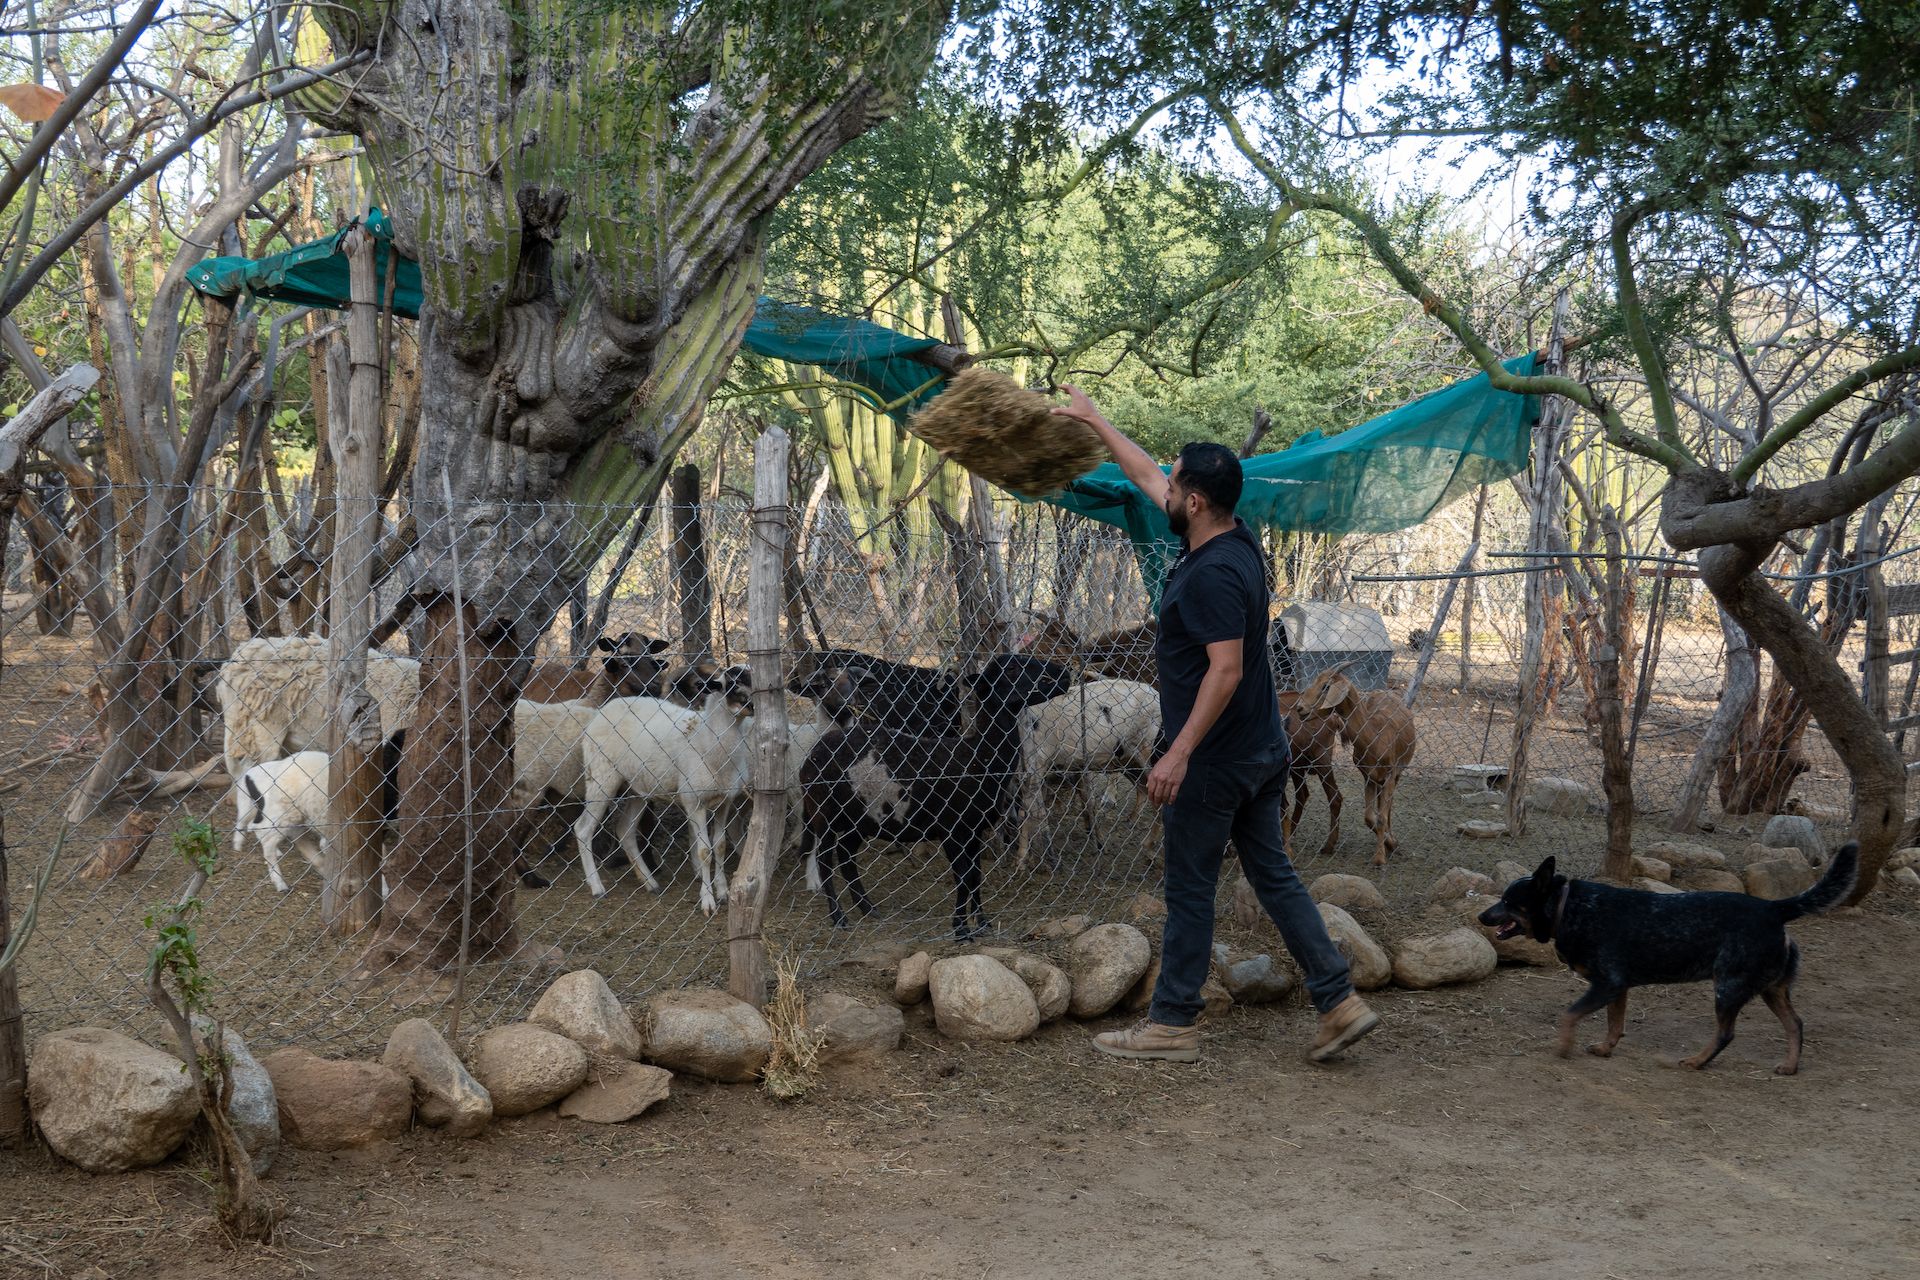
x=981, y=683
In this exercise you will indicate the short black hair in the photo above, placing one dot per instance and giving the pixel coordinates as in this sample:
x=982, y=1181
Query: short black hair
x=1212, y=471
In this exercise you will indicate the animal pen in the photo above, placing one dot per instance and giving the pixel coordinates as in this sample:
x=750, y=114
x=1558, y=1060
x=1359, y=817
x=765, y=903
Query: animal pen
x=935, y=593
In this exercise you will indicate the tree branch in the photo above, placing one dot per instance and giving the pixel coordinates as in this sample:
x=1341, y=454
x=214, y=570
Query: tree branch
x=1820, y=406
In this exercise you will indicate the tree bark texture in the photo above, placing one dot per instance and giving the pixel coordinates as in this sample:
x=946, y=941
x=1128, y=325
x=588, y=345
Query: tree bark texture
x=1608, y=660
x=1737, y=695
x=1802, y=656
x=425, y=862
x=690, y=577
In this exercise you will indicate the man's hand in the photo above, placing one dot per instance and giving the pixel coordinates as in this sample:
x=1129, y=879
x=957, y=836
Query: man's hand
x=1163, y=782
x=1142, y=470
x=1080, y=408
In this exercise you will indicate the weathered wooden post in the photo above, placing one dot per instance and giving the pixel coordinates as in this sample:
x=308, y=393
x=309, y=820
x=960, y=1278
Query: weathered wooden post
x=1616, y=763
x=350, y=898
x=1545, y=587
x=1432, y=642
x=13, y=1038
x=747, y=899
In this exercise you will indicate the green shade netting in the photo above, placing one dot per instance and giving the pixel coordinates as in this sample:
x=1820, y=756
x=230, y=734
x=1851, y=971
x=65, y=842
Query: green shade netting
x=1386, y=474
x=1390, y=473
x=876, y=361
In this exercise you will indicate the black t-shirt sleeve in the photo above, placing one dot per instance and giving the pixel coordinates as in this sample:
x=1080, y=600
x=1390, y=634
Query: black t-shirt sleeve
x=1214, y=604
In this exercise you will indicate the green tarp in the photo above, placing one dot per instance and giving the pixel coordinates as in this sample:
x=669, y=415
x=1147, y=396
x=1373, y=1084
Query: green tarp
x=875, y=360
x=1390, y=473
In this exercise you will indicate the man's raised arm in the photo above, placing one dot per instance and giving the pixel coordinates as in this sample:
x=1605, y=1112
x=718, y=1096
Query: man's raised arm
x=1134, y=461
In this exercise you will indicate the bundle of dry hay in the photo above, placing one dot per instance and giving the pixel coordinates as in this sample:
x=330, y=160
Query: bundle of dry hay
x=1003, y=433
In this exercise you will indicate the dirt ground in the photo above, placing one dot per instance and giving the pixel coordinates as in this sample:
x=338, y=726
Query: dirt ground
x=1450, y=1144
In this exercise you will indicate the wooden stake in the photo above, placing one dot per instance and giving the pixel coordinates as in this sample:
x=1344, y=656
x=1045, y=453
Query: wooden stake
x=350, y=899
x=1439, y=620
x=690, y=566
x=747, y=898
x=13, y=1038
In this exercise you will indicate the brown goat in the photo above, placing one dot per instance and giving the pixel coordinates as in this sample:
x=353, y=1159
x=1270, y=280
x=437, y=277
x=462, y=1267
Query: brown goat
x=628, y=669
x=1312, y=739
x=1380, y=733
x=1125, y=653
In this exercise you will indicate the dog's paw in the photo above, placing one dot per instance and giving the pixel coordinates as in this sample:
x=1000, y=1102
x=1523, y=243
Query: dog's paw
x=1787, y=1069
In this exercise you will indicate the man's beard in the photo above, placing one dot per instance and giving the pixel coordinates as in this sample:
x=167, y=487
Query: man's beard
x=1177, y=520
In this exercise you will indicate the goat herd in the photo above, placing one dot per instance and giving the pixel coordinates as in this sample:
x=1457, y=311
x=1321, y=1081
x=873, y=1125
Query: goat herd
x=879, y=749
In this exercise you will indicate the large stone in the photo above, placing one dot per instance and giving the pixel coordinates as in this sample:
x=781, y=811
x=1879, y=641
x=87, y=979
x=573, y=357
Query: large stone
x=1146, y=907
x=1469, y=778
x=1104, y=963
x=1259, y=980
x=1520, y=950
x=1506, y=871
x=1353, y=893
x=1052, y=990
x=850, y=1030
x=1792, y=831
x=445, y=1094
x=1710, y=880
x=708, y=1033
x=327, y=1104
x=1903, y=858
x=1244, y=906
x=107, y=1102
x=1757, y=852
x=1140, y=995
x=1463, y=955
x=252, y=1108
x=524, y=1068
x=1215, y=999
x=978, y=998
x=1650, y=885
x=1482, y=829
x=581, y=1007
x=1652, y=868
x=1459, y=882
x=910, y=979
x=628, y=1089
x=1682, y=856
x=1060, y=928
x=1366, y=959
x=1779, y=878
x=1563, y=797
x=1905, y=877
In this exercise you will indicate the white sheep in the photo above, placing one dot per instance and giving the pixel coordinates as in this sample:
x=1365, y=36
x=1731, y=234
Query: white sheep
x=546, y=750
x=650, y=749
x=286, y=802
x=1098, y=726
x=274, y=698
x=283, y=802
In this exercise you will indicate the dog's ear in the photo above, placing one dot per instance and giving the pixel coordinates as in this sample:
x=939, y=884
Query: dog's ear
x=1544, y=873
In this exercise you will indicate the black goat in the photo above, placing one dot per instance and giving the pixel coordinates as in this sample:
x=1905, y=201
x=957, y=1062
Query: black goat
x=895, y=695
x=863, y=781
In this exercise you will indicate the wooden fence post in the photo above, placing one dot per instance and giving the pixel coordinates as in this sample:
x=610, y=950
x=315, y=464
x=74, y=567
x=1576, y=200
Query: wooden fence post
x=747, y=899
x=13, y=1036
x=1432, y=643
x=1545, y=585
x=350, y=898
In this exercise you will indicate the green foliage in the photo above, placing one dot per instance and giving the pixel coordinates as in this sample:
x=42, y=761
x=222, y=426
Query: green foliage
x=176, y=956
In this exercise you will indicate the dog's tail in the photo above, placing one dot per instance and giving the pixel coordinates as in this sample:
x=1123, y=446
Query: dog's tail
x=1833, y=887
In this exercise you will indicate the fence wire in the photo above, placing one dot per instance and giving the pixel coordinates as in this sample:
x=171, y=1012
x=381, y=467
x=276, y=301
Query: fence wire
x=633, y=737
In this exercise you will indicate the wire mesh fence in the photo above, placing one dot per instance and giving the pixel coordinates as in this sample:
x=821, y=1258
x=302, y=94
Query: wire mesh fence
x=982, y=685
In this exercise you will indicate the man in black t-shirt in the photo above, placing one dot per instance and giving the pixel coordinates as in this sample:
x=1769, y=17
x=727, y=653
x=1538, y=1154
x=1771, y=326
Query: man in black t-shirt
x=1224, y=774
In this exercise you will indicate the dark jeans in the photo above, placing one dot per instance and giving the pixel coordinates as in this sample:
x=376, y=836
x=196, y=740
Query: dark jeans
x=1239, y=800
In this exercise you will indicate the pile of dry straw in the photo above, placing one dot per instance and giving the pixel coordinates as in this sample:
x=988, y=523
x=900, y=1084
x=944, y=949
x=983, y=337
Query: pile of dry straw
x=1005, y=434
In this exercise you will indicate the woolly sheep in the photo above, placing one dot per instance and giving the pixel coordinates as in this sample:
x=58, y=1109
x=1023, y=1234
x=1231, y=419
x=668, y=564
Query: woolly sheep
x=274, y=701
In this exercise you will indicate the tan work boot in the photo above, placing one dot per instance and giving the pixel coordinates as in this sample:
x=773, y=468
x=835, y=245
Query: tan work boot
x=1149, y=1039
x=1341, y=1026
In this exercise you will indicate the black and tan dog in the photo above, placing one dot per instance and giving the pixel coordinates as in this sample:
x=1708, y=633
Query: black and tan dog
x=1618, y=939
